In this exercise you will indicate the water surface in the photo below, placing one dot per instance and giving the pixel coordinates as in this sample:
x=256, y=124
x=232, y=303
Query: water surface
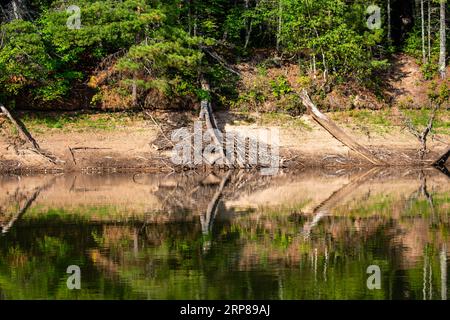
x=237, y=235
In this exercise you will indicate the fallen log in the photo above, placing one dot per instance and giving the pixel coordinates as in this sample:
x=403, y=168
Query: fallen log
x=20, y=127
x=28, y=137
x=337, y=132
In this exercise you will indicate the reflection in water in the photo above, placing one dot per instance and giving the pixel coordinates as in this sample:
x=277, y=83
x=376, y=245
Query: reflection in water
x=231, y=235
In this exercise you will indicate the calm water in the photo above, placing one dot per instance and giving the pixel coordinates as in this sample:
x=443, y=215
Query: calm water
x=309, y=235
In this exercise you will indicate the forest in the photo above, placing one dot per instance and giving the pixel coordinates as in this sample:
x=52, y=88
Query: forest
x=276, y=57
x=136, y=50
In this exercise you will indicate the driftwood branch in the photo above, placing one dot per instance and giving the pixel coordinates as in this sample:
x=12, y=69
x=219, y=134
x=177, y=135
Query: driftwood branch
x=82, y=148
x=159, y=127
x=335, y=131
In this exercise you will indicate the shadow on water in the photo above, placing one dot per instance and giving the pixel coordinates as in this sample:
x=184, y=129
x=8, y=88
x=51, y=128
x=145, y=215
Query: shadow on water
x=232, y=235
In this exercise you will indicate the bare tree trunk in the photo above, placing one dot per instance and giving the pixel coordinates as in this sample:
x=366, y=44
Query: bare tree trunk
x=190, y=17
x=422, y=19
x=22, y=130
x=248, y=26
x=324, y=61
x=442, y=53
x=335, y=131
x=195, y=22
x=423, y=136
x=134, y=92
x=314, y=66
x=389, y=19
x=429, y=30
x=15, y=9
x=280, y=23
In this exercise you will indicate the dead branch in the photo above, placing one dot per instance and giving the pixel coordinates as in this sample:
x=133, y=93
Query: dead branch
x=222, y=61
x=159, y=127
x=83, y=148
x=421, y=136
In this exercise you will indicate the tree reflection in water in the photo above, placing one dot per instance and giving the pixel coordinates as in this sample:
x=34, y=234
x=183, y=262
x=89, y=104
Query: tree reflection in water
x=231, y=235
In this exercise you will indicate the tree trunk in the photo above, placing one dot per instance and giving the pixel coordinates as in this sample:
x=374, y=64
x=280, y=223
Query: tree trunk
x=190, y=17
x=15, y=8
x=429, y=30
x=248, y=26
x=389, y=19
x=442, y=53
x=280, y=23
x=422, y=19
x=335, y=131
x=134, y=92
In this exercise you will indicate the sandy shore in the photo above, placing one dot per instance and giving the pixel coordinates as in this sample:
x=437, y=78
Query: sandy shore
x=139, y=145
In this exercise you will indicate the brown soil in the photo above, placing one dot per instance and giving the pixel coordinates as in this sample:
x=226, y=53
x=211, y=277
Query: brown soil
x=406, y=85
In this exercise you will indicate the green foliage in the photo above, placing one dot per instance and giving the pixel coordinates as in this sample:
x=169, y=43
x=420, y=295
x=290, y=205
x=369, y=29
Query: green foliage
x=23, y=59
x=154, y=48
x=280, y=87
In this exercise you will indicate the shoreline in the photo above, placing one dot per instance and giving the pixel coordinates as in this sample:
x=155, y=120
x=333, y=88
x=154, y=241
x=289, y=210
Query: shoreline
x=134, y=143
